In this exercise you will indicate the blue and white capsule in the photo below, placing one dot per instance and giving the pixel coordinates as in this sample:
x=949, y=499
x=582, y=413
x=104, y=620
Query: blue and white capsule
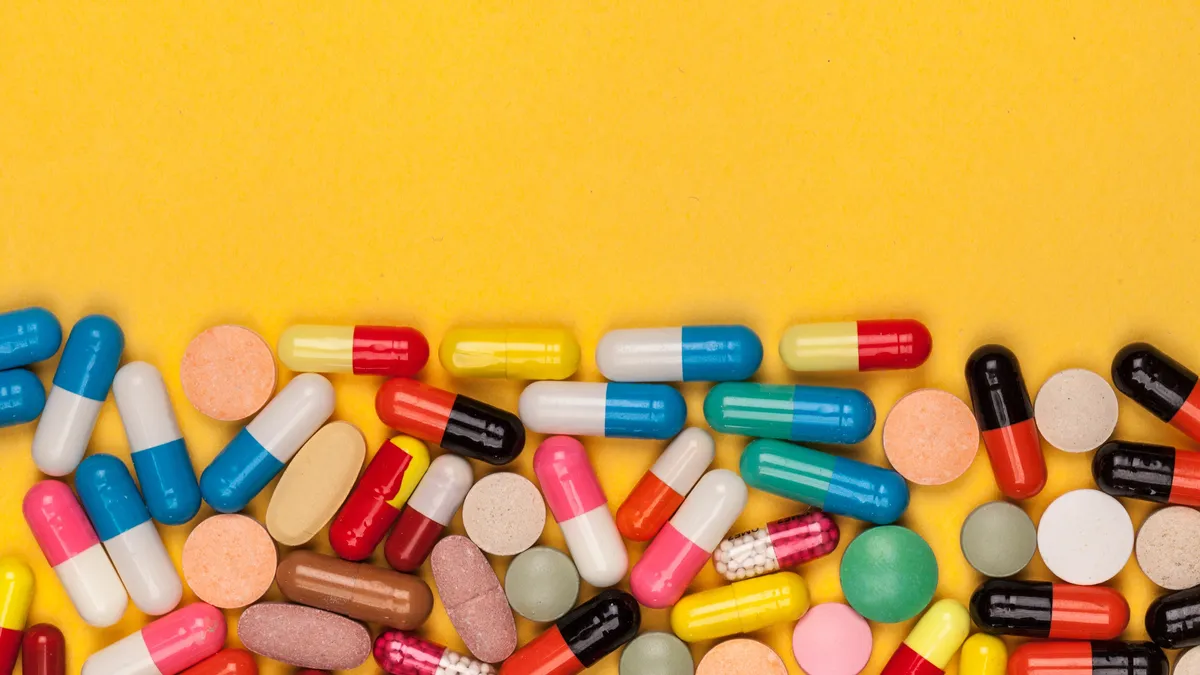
x=27, y=336
x=81, y=383
x=115, y=508
x=259, y=452
x=603, y=409
x=679, y=354
x=21, y=397
x=160, y=456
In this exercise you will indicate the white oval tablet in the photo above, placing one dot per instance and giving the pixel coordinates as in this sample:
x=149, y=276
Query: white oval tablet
x=1076, y=410
x=1085, y=537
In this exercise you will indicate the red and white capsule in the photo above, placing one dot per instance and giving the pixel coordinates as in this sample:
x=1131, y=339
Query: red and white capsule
x=662, y=489
x=780, y=545
x=430, y=509
x=167, y=646
x=888, y=344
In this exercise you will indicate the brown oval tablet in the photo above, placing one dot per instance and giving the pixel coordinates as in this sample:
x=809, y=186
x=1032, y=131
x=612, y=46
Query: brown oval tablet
x=474, y=599
x=315, y=483
x=228, y=372
x=358, y=590
x=229, y=561
x=304, y=637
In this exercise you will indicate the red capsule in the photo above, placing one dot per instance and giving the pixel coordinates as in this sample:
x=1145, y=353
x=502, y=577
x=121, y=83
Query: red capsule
x=375, y=502
x=395, y=351
x=43, y=651
x=888, y=344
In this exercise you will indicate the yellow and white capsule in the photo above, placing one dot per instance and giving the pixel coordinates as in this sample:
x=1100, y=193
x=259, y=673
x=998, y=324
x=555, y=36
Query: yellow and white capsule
x=514, y=353
x=743, y=607
x=932, y=642
x=983, y=654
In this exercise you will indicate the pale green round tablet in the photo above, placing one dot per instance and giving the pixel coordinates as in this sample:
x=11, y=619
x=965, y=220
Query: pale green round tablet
x=998, y=539
x=542, y=584
x=657, y=654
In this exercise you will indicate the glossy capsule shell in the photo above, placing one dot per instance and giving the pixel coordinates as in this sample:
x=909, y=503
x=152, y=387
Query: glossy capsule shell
x=513, y=353
x=579, y=639
x=168, y=646
x=226, y=662
x=837, y=485
x=679, y=354
x=81, y=383
x=580, y=508
x=43, y=651
x=983, y=654
x=888, y=344
x=684, y=545
x=1041, y=609
x=112, y=502
x=1159, y=384
x=259, y=452
x=401, y=653
x=394, y=351
x=1088, y=658
x=663, y=488
x=1005, y=416
x=430, y=509
x=358, y=590
x=375, y=503
x=27, y=336
x=1173, y=620
x=22, y=397
x=602, y=409
x=744, y=607
x=73, y=550
x=1155, y=473
x=781, y=544
x=160, y=456
x=457, y=423
x=932, y=642
x=795, y=413
x=16, y=596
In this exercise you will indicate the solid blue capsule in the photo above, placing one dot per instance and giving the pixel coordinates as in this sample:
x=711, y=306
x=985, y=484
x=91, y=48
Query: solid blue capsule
x=680, y=354
x=27, y=336
x=21, y=397
x=794, y=413
x=603, y=409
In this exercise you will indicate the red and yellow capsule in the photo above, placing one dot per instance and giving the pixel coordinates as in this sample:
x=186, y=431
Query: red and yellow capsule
x=933, y=641
x=889, y=344
x=983, y=654
x=16, y=594
x=376, y=501
x=394, y=351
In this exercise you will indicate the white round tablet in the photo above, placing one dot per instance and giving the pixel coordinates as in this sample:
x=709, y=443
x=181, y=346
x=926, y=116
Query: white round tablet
x=1076, y=410
x=1085, y=537
x=1188, y=663
x=1167, y=545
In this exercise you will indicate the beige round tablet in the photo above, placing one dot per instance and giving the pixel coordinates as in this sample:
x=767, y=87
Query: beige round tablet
x=228, y=372
x=1188, y=663
x=229, y=561
x=315, y=483
x=1166, y=547
x=930, y=437
x=1076, y=410
x=504, y=514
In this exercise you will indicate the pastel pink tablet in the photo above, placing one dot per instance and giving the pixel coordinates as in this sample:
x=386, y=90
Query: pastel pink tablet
x=832, y=639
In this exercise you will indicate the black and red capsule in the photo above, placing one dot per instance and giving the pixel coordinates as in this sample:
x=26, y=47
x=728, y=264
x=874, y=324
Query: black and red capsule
x=1173, y=621
x=1041, y=609
x=457, y=423
x=1155, y=473
x=1005, y=416
x=1088, y=658
x=582, y=637
x=1159, y=384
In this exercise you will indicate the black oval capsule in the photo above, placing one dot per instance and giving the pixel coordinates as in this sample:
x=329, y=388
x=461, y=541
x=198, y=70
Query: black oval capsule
x=1173, y=621
x=1159, y=384
x=1005, y=416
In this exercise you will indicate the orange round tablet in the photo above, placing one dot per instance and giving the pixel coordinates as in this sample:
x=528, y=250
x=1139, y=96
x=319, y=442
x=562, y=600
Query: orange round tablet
x=930, y=437
x=229, y=561
x=741, y=657
x=228, y=372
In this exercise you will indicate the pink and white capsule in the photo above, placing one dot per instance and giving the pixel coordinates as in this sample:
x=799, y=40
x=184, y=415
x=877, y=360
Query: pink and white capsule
x=579, y=506
x=684, y=545
x=72, y=548
x=167, y=646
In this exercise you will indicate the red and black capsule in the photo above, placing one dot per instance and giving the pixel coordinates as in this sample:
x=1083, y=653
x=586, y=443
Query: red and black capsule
x=1159, y=384
x=582, y=637
x=1005, y=416
x=1155, y=473
x=1173, y=621
x=1040, y=609
x=457, y=423
x=1088, y=658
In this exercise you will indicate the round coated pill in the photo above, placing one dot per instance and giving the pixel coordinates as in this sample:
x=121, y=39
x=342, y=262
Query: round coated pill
x=998, y=539
x=741, y=657
x=656, y=653
x=832, y=623
x=889, y=574
x=1085, y=537
x=542, y=584
x=229, y=561
x=1076, y=410
x=930, y=437
x=228, y=372
x=1167, y=545
x=504, y=514
x=1188, y=663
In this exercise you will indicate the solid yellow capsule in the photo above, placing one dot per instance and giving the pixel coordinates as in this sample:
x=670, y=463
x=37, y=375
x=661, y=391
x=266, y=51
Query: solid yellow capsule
x=933, y=641
x=514, y=353
x=744, y=607
x=983, y=654
x=16, y=594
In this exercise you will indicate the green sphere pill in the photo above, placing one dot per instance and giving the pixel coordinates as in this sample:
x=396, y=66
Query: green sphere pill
x=889, y=574
x=542, y=584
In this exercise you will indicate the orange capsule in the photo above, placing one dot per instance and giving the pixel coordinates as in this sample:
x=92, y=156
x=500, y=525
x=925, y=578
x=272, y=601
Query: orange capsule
x=225, y=662
x=661, y=490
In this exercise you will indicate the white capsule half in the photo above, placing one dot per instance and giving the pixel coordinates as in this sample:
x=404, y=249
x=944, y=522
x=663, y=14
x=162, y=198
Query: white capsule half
x=596, y=547
x=685, y=460
x=94, y=587
x=146, y=569
x=293, y=416
x=63, y=432
x=711, y=509
x=568, y=408
x=443, y=488
x=146, y=410
x=127, y=656
x=641, y=355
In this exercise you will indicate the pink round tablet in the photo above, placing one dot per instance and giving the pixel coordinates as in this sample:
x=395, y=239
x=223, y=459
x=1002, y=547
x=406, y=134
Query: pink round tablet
x=228, y=372
x=832, y=639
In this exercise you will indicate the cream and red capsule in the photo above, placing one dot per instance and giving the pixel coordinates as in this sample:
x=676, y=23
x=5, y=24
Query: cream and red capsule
x=661, y=490
x=400, y=653
x=579, y=639
x=1088, y=658
x=679, y=354
x=1173, y=620
x=1159, y=384
x=932, y=642
x=1154, y=473
x=1040, y=609
x=455, y=422
x=167, y=646
x=394, y=351
x=778, y=545
x=375, y=503
x=888, y=344
x=430, y=509
x=1005, y=416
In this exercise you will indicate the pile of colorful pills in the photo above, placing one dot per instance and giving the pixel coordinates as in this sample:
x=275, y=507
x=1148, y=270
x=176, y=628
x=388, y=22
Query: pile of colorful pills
x=102, y=543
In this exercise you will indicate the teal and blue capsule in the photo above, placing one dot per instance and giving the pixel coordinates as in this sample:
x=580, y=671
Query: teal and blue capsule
x=793, y=413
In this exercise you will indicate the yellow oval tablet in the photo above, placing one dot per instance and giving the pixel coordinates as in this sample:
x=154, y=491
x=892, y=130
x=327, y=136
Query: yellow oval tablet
x=315, y=483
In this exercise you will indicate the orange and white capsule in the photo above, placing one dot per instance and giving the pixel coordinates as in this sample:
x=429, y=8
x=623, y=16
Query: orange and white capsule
x=662, y=489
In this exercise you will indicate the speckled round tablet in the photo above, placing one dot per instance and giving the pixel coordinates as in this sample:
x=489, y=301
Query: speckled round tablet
x=542, y=584
x=1085, y=537
x=930, y=437
x=1167, y=545
x=305, y=637
x=998, y=539
x=504, y=513
x=228, y=372
x=229, y=561
x=832, y=623
x=741, y=657
x=889, y=574
x=656, y=653
x=1188, y=663
x=474, y=599
x=1076, y=410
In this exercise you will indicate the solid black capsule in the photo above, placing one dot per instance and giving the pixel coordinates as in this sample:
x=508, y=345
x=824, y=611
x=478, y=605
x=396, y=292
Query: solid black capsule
x=1159, y=384
x=1173, y=621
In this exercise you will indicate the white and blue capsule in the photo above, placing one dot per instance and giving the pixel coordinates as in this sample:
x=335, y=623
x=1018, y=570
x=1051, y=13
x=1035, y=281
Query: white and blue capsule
x=603, y=409
x=160, y=457
x=81, y=383
x=116, y=510
x=21, y=397
x=27, y=336
x=679, y=354
x=259, y=452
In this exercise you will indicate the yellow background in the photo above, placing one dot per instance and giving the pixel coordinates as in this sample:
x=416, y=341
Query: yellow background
x=1018, y=172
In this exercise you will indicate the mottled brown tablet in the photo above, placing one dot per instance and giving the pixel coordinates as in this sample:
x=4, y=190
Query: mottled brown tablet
x=359, y=590
x=474, y=599
x=304, y=637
